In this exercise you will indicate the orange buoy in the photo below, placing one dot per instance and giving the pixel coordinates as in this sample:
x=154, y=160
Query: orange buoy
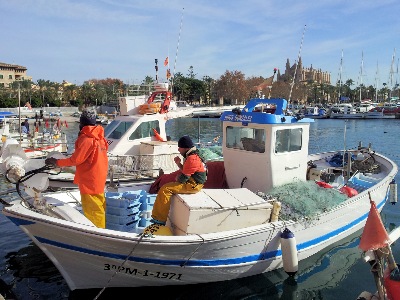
x=324, y=184
x=350, y=192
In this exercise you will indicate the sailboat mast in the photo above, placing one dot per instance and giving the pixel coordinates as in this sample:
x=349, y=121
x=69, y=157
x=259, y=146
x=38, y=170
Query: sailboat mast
x=361, y=71
x=376, y=83
x=340, y=77
x=391, y=75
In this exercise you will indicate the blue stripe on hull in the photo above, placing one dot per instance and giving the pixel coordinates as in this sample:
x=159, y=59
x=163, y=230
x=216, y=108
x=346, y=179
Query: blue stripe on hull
x=200, y=263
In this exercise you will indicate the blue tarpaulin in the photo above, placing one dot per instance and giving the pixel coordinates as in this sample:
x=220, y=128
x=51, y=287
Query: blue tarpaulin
x=7, y=114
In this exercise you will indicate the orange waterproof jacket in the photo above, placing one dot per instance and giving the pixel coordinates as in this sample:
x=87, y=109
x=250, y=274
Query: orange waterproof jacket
x=90, y=159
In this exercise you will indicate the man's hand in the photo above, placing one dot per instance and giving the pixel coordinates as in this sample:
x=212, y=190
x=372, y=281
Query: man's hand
x=51, y=161
x=177, y=159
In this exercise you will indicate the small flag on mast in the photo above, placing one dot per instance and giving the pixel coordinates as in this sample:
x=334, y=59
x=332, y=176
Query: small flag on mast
x=166, y=62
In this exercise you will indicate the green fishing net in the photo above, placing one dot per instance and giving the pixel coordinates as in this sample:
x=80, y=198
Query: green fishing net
x=305, y=200
x=211, y=153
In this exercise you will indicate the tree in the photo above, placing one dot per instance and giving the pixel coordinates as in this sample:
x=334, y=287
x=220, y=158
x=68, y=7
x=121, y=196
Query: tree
x=191, y=73
x=231, y=88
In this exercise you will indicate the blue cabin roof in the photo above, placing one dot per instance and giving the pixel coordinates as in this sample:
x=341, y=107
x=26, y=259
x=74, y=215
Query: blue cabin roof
x=258, y=110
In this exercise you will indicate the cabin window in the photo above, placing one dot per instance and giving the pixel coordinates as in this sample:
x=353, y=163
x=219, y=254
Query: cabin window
x=117, y=132
x=145, y=130
x=288, y=140
x=248, y=139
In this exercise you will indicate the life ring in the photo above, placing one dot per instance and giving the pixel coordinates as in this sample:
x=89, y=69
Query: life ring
x=157, y=135
x=150, y=105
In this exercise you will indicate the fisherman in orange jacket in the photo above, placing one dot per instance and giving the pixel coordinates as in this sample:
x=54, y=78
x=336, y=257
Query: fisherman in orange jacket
x=91, y=161
x=190, y=181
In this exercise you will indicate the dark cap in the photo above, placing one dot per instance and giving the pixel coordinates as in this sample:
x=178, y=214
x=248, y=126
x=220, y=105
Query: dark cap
x=88, y=116
x=185, y=142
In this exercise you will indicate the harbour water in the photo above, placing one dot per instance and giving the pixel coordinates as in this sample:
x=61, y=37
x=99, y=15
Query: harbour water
x=336, y=273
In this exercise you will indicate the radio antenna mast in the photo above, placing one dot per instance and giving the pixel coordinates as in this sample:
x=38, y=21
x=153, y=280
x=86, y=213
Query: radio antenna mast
x=297, y=64
x=177, y=48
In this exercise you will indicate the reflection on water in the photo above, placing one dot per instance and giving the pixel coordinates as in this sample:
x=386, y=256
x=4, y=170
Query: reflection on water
x=26, y=273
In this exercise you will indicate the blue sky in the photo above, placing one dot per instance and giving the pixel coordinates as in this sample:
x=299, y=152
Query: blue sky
x=77, y=40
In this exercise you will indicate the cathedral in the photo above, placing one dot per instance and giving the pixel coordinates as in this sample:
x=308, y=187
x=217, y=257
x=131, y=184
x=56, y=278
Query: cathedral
x=305, y=75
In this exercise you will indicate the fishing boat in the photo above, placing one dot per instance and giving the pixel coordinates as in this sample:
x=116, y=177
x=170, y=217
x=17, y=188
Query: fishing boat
x=273, y=205
x=36, y=144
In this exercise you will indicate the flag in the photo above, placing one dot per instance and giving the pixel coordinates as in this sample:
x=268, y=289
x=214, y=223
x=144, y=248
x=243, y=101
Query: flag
x=168, y=74
x=166, y=61
x=47, y=123
x=65, y=123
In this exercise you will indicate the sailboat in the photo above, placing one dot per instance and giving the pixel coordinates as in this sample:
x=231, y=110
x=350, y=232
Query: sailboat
x=390, y=109
x=363, y=109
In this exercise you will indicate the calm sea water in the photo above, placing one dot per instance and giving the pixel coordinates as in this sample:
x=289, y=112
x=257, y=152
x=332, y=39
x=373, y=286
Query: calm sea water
x=337, y=273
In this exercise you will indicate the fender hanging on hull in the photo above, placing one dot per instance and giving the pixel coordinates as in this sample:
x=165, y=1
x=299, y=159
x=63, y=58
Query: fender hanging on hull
x=289, y=252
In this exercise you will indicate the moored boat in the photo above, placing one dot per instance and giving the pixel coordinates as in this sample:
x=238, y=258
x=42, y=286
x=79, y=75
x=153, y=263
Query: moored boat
x=245, y=228
x=138, y=144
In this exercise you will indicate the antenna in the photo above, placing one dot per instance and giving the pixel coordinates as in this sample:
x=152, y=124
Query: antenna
x=177, y=48
x=295, y=70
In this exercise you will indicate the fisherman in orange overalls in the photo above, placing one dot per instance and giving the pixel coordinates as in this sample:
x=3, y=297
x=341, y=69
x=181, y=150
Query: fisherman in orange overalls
x=91, y=161
x=190, y=181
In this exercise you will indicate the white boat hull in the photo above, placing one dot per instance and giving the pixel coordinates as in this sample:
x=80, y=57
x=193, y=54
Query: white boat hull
x=89, y=257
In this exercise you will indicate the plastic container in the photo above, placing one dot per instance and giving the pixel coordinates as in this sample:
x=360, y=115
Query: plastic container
x=119, y=211
x=122, y=220
x=126, y=227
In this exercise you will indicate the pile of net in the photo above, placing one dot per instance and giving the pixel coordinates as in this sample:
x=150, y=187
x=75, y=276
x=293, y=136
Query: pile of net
x=211, y=153
x=303, y=201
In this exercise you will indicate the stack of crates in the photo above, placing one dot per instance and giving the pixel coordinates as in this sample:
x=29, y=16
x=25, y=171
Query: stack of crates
x=146, y=207
x=129, y=211
x=123, y=210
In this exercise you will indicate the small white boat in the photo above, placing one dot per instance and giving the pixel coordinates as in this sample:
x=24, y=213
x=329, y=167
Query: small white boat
x=282, y=206
x=38, y=144
x=315, y=112
x=364, y=110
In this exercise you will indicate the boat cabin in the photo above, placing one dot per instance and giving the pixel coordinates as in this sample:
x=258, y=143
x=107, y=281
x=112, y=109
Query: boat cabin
x=257, y=145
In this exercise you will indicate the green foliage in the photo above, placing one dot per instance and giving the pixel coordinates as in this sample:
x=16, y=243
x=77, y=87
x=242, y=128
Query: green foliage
x=230, y=88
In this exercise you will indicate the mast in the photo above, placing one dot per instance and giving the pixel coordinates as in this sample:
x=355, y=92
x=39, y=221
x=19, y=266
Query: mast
x=340, y=77
x=361, y=72
x=297, y=63
x=176, y=54
x=391, y=75
x=376, y=82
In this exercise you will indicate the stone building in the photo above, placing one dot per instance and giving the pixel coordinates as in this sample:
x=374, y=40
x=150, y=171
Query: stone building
x=303, y=74
x=10, y=73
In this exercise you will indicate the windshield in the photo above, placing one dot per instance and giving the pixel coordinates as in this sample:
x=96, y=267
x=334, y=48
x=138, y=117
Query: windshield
x=116, y=133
